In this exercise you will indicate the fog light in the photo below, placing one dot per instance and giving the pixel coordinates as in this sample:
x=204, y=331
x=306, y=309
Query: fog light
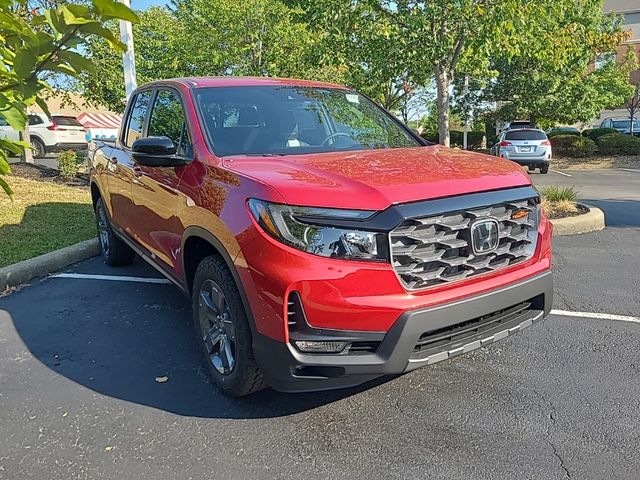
x=320, y=347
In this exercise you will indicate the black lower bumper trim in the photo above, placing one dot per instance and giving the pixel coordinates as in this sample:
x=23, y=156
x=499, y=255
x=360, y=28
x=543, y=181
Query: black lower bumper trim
x=287, y=369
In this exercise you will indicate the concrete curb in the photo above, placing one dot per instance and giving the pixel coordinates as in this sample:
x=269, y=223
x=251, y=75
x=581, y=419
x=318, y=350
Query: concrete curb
x=22, y=272
x=589, y=222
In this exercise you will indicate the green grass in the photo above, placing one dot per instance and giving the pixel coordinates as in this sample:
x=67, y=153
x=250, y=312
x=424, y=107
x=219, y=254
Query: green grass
x=553, y=193
x=42, y=217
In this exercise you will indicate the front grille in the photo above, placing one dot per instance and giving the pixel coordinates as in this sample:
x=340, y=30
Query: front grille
x=435, y=250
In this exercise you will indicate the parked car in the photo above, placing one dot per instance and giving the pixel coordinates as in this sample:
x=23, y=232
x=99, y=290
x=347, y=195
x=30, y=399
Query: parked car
x=623, y=125
x=563, y=131
x=528, y=147
x=61, y=132
x=322, y=242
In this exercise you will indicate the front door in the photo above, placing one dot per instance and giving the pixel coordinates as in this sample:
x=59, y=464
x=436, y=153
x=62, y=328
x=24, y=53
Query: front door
x=155, y=189
x=120, y=164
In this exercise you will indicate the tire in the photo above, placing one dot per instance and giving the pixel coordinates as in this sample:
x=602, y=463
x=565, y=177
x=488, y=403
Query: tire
x=222, y=330
x=544, y=169
x=39, y=149
x=115, y=252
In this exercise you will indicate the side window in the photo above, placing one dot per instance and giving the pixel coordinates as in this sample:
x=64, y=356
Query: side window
x=35, y=120
x=3, y=122
x=137, y=115
x=168, y=120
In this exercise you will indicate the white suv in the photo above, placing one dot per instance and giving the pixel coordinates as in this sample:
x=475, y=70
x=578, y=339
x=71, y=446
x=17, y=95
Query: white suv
x=61, y=132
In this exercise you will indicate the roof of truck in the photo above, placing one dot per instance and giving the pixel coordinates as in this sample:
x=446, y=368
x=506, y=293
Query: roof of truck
x=198, y=82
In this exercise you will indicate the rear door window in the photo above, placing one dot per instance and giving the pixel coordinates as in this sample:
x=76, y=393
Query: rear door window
x=137, y=115
x=35, y=120
x=525, y=135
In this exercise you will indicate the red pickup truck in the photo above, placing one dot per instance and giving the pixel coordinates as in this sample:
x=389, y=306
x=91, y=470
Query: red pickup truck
x=323, y=243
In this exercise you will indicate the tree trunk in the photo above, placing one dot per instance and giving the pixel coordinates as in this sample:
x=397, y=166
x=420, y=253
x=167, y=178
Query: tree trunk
x=442, y=104
x=27, y=155
x=533, y=120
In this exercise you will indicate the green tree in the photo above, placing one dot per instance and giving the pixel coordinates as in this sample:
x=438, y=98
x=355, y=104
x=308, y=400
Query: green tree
x=388, y=41
x=41, y=41
x=207, y=38
x=552, y=79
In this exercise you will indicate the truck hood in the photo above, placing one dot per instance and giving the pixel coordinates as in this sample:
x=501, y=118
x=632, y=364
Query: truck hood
x=376, y=179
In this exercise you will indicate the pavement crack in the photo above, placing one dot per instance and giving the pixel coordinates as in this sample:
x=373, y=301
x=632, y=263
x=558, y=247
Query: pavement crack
x=554, y=449
x=564, y=299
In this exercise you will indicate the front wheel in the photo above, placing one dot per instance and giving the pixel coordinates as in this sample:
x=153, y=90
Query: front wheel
x=222, y=330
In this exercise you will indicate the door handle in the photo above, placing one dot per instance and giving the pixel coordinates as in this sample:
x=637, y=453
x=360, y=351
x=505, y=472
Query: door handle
x=137, y=171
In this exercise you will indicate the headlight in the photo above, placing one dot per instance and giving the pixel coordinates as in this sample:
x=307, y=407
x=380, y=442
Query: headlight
x=294, y=226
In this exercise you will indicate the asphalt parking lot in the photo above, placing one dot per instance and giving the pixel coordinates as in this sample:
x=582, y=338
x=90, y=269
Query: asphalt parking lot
x=78, y=396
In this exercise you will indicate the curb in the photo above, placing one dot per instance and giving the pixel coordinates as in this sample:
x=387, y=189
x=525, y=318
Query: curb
x=22, y=272
x=591, y=221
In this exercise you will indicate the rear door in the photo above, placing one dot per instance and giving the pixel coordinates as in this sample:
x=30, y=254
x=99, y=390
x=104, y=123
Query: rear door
x=155, y=189
x=120, y=163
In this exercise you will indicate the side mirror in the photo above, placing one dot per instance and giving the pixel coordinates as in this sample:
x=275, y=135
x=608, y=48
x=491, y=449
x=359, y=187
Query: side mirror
x=156, y=152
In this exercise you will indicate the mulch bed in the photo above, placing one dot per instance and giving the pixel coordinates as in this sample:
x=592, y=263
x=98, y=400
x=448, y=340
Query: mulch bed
x=581, y=210
x=45, y=174
x=596, y=162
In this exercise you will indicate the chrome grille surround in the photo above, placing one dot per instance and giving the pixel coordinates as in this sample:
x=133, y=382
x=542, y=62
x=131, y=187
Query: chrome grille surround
x=436, y=249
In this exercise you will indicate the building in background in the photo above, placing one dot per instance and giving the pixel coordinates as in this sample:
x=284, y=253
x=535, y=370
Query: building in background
x=630, y=11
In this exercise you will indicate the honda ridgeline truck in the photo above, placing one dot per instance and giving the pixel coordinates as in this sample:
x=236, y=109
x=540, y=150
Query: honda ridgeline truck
x=323, y=243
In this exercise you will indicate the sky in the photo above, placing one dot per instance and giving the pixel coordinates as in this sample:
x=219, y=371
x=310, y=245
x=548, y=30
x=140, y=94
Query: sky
x=144, y=4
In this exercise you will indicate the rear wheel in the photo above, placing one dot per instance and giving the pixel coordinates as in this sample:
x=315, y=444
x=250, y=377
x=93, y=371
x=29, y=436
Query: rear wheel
x=222, y=330
x=544, y=169
x=114, y=251
x=39, y=150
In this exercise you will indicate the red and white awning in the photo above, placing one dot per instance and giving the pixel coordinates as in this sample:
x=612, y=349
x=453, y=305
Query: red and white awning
x=100, y=120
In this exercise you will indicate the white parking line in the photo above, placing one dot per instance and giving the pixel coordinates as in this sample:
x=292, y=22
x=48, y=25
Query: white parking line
x=561, y=173
x=113, y=278
x=630, y=170
x=602, y=316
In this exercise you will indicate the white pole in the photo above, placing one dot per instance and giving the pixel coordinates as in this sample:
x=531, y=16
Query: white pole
x=128, y=60
x=466, y=113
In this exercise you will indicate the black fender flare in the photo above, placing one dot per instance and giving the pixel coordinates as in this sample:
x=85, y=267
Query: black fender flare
x=204, y=234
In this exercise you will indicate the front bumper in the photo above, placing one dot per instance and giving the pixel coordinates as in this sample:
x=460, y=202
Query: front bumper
x=417, y=338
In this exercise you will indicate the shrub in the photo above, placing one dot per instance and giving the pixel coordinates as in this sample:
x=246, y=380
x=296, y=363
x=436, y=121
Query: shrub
x=573, y=146
x=474, y=139
x=595, y=133
x=618, y=144
x=68, y=163
x=557, y=194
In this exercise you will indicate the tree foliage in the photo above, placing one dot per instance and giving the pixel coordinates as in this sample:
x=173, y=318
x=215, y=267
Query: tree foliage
x=39, y=41
x=552, y=79
x=207, y=38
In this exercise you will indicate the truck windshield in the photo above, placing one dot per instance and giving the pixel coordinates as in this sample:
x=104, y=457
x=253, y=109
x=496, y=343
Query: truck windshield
x=285, y=120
